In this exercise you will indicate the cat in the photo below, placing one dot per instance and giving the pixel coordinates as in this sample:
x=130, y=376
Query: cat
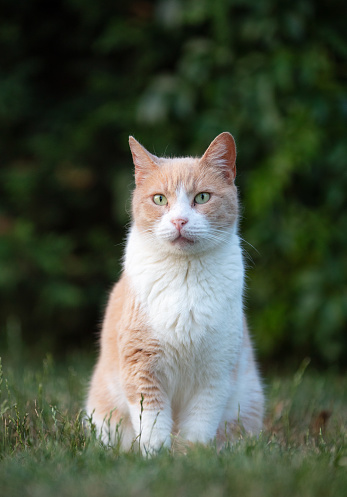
x=175, y=353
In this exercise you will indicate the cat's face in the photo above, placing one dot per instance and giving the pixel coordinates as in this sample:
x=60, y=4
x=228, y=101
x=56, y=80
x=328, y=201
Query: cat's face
x=186, y=205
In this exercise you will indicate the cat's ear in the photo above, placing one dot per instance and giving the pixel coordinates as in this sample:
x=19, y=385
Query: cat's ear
x=221, y=154
x=145, y=163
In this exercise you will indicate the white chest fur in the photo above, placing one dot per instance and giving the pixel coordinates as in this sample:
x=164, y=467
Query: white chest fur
x=191, y=302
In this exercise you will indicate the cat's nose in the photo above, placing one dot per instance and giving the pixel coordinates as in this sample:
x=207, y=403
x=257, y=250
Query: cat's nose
x=179, y=223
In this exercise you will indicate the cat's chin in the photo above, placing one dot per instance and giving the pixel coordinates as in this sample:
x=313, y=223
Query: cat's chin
x=181, y=245
x=182, y=241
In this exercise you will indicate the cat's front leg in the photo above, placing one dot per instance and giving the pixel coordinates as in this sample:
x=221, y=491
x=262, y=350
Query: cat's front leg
x=149, y=408
x=152, y=426
x=200, y=419
x=148, y=404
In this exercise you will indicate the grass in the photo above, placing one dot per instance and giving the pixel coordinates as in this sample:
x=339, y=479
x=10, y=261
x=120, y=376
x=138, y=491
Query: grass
x=44, y=450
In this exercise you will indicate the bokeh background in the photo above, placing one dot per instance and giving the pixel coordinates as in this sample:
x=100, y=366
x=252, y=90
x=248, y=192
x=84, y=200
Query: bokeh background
x=77, y=77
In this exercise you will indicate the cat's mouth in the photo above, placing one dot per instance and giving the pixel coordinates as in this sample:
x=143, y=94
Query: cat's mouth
x=182, y=241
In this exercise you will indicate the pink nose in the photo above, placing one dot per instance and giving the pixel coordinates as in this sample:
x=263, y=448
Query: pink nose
x=179, y=223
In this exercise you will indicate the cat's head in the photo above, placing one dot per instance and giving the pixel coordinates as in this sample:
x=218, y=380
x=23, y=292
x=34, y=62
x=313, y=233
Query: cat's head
x=186, y=205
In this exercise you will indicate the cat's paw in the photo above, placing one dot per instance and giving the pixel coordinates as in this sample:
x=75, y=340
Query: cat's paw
x=197, y=432
x=154, y=447
x=154, y=430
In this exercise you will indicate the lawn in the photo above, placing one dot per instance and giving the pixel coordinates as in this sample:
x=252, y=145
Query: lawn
x=44, y=450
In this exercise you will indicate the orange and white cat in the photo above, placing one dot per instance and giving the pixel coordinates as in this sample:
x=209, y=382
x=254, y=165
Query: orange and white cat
x=175, y=354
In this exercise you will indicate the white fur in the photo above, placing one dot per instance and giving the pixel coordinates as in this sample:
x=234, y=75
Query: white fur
x=194, y=307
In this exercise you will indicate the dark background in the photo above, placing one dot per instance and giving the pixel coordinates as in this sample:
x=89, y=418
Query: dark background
x=77, y=77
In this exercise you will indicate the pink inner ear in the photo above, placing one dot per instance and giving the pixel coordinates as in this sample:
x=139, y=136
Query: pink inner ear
x=222, y=154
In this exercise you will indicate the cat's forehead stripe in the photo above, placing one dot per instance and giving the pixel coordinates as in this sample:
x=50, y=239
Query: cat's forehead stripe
x=180, y=173
x=189, y=174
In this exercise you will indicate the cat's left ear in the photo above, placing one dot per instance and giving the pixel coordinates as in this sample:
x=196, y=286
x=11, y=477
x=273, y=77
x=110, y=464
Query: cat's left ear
x=145, y=163
x=222, y=154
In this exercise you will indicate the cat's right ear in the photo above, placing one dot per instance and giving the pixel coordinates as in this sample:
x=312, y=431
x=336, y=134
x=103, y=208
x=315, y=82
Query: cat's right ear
x=145, y=163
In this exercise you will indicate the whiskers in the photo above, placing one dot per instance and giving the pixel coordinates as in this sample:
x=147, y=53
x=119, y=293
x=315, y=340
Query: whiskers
x=247, y=254
x=245, y=241
x=203, y=237
x=215, y=235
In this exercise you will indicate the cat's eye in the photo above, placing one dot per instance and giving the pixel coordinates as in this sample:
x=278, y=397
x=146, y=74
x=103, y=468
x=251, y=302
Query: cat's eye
x=202, y=198
x=160, y=199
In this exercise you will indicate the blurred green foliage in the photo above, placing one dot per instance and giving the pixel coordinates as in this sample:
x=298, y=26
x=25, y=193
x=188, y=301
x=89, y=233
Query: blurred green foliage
x=77, y=77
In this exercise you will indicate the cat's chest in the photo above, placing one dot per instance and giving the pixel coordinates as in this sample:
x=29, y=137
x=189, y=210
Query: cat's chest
x=189, y=302
x=187, y=299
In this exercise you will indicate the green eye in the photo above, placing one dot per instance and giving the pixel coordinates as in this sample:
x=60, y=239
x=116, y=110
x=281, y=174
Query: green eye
x=160, y=199
x=202, y=198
